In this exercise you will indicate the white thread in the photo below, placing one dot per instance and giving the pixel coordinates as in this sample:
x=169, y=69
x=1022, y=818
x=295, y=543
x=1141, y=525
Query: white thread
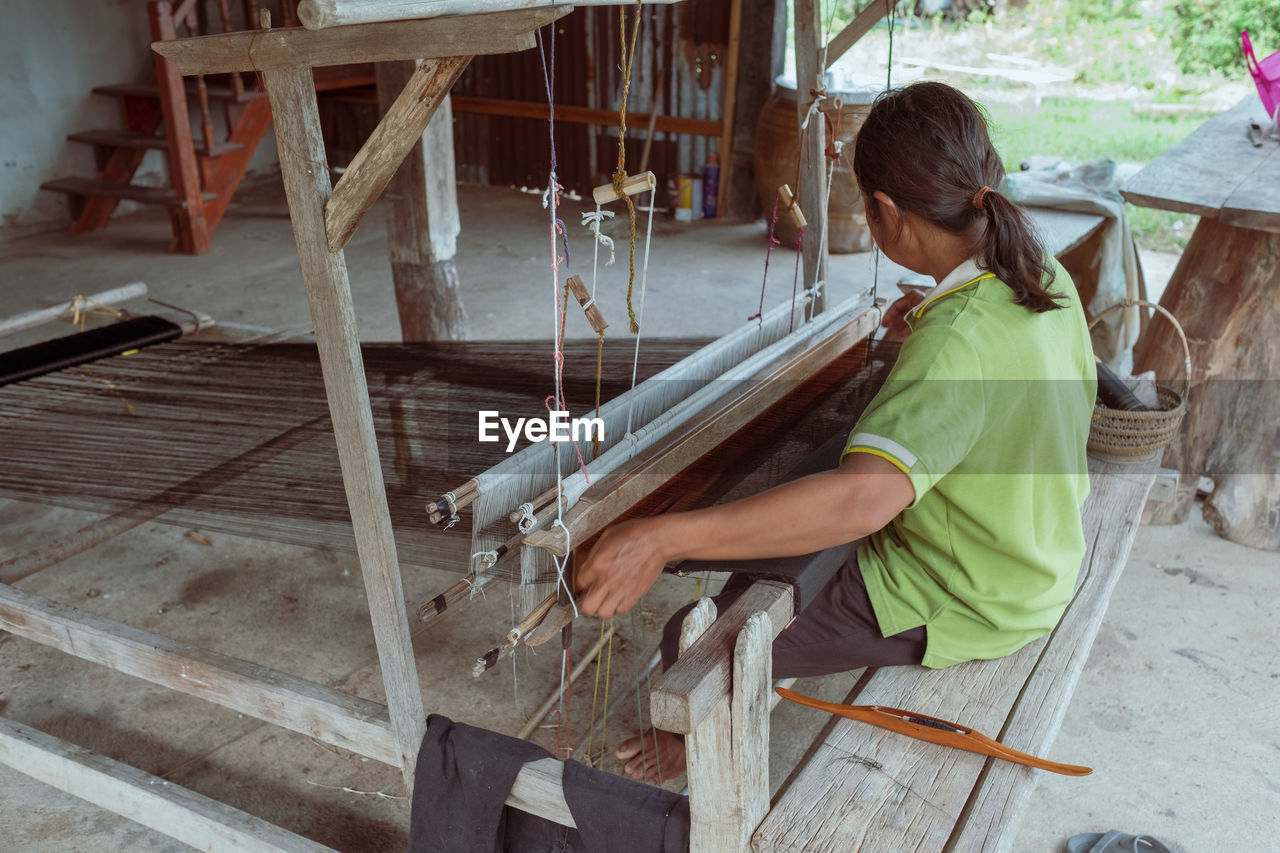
x=488, y=559
x=644, y=280
x=592, y=220
x=475, y=589
x=453, y=509
x=586, y=305
x=527, y=518
x=813, y=110
x=563, y=562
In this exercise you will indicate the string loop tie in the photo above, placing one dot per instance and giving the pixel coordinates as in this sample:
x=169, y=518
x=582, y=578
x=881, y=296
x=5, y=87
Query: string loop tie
x=527, y=518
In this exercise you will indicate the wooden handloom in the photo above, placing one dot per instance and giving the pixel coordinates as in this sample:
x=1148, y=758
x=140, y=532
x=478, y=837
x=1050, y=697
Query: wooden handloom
x=324, y=218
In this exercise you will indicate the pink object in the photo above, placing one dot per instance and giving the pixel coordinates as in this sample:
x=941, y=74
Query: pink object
x=1265, y=73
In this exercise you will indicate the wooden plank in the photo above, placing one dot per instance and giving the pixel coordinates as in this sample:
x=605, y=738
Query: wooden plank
x=1201, y=172
x=318, y=14
x=564, y=112
x=869, y=785
x=92, y=188
x=687, y=692
x=151, y=801
x=306, y=181
x=539, y=790
x=378, y=159
x=709, y=767
x=302, y=706
x=139, y=116
x=855, y=30
x=148, y=141
x=725, y=150
x=750, y=707
x=585, y=115
x=991, y=817
x=190, y=230
x=813, y=162
x=1063, y=230
x=615, y=493
x=292, y=47
x=423, y=223
x=151, y=90
x=1255, y=203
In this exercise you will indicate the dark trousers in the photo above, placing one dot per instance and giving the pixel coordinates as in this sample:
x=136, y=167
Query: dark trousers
x=836, y=632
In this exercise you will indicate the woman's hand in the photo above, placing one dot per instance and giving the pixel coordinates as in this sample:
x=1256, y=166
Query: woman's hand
x=624, y=563
x=895, y=318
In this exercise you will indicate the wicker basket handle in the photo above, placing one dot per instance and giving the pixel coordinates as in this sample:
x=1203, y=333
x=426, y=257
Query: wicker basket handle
x=1177, y=327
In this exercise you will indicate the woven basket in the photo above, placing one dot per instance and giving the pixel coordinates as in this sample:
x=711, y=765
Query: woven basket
x=1120, y=435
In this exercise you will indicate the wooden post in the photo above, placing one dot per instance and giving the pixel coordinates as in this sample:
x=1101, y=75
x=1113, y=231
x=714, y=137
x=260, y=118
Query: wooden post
x=422, y=223
x=1222, y=290
x=750, y=705
x=730, y=105
x=813, y=166
x=306, y=182
x=710, y=763
x=190, y=231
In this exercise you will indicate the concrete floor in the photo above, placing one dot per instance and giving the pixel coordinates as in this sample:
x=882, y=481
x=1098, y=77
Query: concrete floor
x=1175, y=709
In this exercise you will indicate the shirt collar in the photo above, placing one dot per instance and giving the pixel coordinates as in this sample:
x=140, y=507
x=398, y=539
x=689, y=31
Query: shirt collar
x=962, y=276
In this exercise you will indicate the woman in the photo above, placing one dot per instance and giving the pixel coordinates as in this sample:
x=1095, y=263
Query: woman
x=962, y=482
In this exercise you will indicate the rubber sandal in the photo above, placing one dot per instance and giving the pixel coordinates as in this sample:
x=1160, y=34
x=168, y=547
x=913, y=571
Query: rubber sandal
x=1115, y=841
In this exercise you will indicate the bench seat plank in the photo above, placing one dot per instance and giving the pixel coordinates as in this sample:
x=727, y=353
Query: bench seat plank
x=867, y=786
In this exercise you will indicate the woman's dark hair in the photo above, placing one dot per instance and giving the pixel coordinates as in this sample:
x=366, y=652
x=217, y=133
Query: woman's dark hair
x=926, y=147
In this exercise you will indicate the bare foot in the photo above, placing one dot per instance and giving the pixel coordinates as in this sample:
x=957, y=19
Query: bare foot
x=655, y=750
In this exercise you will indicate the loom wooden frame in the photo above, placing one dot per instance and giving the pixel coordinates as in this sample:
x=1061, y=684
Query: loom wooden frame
x=728, y=799
x=323, y=218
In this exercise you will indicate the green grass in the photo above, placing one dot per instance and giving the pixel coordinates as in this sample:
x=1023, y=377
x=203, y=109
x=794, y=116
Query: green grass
x=1079, y=130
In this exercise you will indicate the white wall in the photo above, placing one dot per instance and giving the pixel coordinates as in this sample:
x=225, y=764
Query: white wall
x=52, y=52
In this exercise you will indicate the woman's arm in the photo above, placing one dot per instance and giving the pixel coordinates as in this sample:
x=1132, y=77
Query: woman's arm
x=864, y=494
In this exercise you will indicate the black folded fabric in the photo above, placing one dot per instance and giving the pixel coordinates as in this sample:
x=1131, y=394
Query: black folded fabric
x=464, y=775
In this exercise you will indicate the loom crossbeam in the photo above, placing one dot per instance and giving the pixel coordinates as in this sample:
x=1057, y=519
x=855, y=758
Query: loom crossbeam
x=379, y=41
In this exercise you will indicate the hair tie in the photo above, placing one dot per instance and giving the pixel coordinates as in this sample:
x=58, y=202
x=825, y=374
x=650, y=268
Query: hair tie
x=979, y=196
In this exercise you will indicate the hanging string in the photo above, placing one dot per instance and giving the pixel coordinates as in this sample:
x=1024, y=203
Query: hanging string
x=773, y=241
x=644, y=280
x=891, y=8
x=620, y=173
x=592, y=221
x=595, y=695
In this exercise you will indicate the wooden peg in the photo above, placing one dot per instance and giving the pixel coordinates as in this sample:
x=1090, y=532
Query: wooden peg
x=557, y=617
x=634, y=185
x=789, y=205
x=553, y=540
x=588, y=303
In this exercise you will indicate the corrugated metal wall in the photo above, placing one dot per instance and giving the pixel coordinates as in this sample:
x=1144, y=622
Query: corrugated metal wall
x=688, y=40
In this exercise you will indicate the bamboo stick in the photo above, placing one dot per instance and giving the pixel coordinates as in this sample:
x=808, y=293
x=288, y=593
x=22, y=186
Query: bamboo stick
x=535, y=720
x=634, y=185
x=39, y=316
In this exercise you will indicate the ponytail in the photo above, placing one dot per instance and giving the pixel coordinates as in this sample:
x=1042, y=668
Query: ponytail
x=1010, y=248
x=926, y=147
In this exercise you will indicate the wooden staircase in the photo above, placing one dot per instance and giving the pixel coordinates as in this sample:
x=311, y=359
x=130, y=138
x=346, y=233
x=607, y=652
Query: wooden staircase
x=204, y=173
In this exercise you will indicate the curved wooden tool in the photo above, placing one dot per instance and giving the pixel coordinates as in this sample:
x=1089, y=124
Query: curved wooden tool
x=934, y=730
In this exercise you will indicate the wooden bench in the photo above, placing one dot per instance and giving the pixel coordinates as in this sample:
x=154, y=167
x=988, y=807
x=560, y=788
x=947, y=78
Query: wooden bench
x=861, y=787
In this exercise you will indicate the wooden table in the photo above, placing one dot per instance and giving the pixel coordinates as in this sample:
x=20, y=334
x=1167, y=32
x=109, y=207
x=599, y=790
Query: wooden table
x=1223, y=292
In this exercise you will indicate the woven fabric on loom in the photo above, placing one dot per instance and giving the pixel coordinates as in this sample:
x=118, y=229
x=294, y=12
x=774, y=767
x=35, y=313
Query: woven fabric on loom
x=238, y=439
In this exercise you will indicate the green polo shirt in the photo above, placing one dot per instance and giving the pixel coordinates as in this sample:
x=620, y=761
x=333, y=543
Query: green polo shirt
x=987, y=411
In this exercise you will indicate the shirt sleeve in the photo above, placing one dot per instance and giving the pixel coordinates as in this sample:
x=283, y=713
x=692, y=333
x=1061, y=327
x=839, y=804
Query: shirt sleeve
x=930, y=412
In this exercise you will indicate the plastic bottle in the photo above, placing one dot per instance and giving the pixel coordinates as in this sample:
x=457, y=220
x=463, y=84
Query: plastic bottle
x=710, y=187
